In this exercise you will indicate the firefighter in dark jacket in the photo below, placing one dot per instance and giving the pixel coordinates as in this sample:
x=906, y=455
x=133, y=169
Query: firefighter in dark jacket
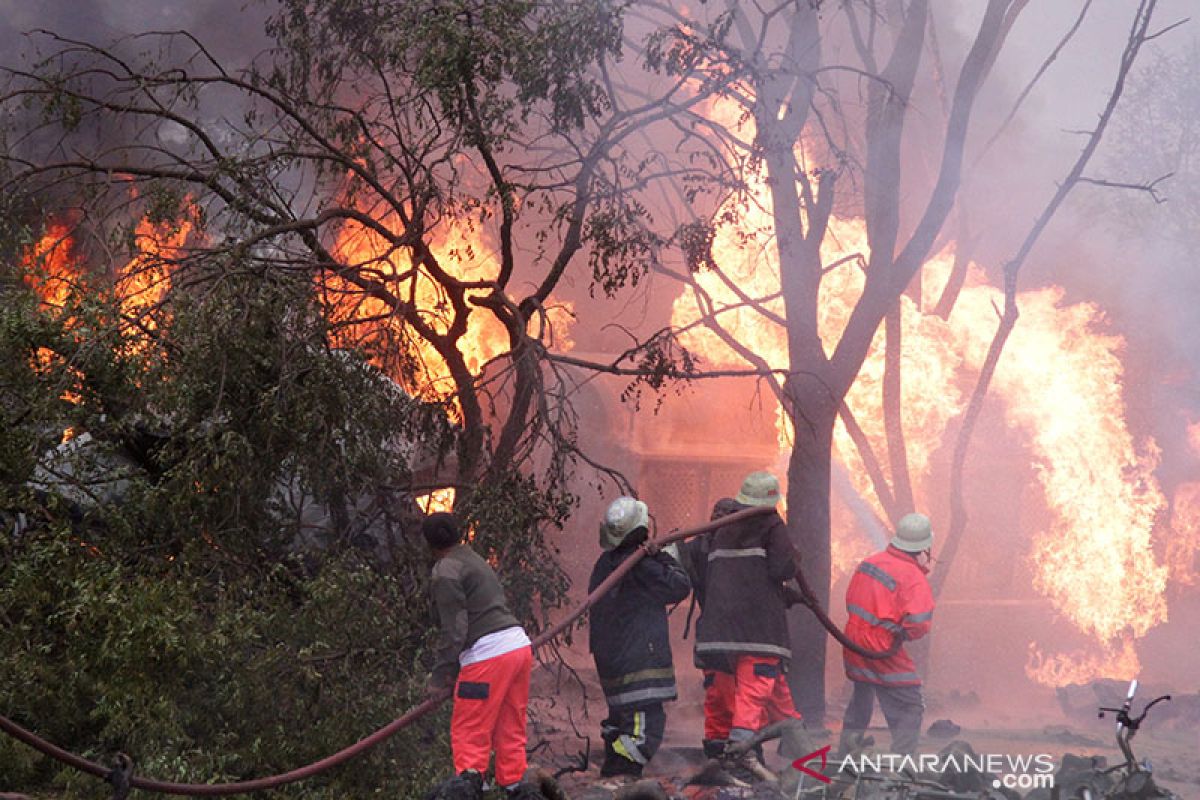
x=719, y=685
x=745, y=607
x=629, y=639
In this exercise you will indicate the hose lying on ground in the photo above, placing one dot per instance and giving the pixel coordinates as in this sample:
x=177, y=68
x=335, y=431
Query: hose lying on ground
x=430, y=703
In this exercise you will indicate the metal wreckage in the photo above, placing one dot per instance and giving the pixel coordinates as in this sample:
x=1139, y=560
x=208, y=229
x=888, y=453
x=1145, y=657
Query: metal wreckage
x=956, y=772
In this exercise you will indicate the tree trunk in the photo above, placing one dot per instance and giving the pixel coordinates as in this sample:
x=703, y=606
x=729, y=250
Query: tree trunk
x=893, y=415
x=808, y=522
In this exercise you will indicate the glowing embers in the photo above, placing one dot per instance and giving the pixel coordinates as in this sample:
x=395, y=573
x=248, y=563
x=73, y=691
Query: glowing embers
x=437, y=500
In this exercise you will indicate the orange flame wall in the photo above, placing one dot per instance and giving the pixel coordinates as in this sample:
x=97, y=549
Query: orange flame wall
x=1060, y=381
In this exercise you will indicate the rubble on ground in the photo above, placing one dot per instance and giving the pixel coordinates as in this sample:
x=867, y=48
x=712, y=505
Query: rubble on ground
x=678, y=768
x=944, y=729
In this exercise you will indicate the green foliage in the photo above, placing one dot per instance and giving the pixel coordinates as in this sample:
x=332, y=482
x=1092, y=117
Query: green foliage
x=663, y=362
x=217, y=574
x=255, y=674
x=695, y=239
x=159, y=594
x=621, y=244
x=680, y=50
x=488, y=63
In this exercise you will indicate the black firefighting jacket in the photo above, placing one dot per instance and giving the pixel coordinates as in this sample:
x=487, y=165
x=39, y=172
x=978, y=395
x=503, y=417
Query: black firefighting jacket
x=693, y=556
x=744, y=605
x=628, y=634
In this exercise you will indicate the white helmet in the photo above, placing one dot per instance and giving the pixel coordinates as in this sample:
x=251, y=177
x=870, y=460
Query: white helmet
x=624, y=516
x=914, y=534
x=759, y=489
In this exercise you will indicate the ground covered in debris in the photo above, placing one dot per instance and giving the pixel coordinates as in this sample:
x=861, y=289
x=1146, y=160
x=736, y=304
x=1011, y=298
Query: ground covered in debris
x=1064, y=728
x=1172, y=757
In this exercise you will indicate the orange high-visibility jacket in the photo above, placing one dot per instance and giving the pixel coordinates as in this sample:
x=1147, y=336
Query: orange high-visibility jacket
x=888, y=592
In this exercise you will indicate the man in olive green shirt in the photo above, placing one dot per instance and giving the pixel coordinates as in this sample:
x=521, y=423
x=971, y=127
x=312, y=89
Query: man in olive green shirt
x=483, y=652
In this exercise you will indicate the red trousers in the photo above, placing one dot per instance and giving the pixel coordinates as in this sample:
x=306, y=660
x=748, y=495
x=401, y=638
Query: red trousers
x=489, y=715
x=762, y=695
x=719, y=692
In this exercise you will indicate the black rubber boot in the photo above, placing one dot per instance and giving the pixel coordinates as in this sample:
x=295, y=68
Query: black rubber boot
x=615, y=765
x=468, y=785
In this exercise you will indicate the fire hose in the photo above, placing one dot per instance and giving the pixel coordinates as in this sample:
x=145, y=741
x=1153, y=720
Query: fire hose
x=430, y=703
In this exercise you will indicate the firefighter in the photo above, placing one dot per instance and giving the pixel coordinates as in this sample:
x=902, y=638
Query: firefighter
x=628, y=638
x=889, y=596
x=484, y=653
x=744, y=619
x=719, y=686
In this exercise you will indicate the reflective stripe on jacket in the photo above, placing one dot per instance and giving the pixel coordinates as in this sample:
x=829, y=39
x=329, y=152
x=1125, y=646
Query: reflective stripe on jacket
x=888, y=593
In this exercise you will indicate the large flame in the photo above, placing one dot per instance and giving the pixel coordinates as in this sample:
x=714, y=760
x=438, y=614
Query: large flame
x=363, y=319
x=144, y=281
x=52, y=271
x=1061, y=383
x=1119, y=662
x=51, y=266
x=55, y=271
x=1061, y=379
x=1183, y=548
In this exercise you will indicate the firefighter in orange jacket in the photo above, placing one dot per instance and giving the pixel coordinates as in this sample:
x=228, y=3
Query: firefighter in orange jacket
x=889, y=596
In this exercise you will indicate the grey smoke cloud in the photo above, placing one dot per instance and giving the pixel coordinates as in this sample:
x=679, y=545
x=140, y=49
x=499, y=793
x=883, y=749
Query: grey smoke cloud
x=233, y=29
